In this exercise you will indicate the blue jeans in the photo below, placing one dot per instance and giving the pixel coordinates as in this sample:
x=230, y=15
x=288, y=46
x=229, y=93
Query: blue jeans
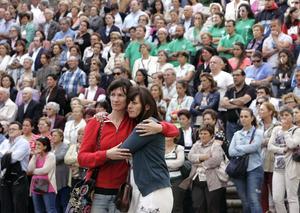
x=62, y=199
x=231, y=128
x=44, y=203
x=104, y=203
x=249, y=190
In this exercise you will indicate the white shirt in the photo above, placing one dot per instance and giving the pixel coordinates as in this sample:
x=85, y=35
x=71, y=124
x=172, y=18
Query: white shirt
x=182, y=71
x=4, y=62
x=150, y=64
x=269, y=44
x=170, y=92
x=91, y=92
x=131, y=20
x=175, y=106
x=71, y=131
x=8, y=111
x=38, y=16
x=187, y=135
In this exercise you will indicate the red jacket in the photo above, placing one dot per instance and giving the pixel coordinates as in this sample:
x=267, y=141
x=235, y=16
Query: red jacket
x=112, y=173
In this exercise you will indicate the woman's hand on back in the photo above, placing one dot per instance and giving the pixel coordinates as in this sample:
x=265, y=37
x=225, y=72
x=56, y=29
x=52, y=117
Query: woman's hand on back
x=117, y=153
x=148, y=127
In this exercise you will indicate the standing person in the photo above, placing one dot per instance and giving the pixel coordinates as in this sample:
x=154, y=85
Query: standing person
x=151, y=191
x=14, y=156
x=242, y=143
x=42, y=167
x=208, y=191
x=283, y=140
x=267, y=114
x=62, y=171
x=117, y=126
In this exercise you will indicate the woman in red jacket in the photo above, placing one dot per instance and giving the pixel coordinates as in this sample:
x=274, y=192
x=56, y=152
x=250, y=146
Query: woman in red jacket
x=110, y=158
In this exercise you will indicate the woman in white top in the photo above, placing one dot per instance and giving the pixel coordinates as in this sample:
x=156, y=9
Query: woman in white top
x=118, y=50
x=182, y=101
x=146, y=62
x=72, y=126
x=185, y=70
x=162, y=60
x=89, y=96
x=4, y=56
x=193, y=33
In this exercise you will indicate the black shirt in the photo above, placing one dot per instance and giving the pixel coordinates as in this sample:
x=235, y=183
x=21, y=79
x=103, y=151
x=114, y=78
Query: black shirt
x=232, y=115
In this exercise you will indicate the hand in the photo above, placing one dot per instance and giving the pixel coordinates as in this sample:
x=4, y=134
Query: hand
x=117, y=153
x=100, y=116
x=219, y=142
x=148, y=127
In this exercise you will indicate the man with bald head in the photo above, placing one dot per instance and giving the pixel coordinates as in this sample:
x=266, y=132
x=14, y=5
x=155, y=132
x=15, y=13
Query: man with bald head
x=8, y=109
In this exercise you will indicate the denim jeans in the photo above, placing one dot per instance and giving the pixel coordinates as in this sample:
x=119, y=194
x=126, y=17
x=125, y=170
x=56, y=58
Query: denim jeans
x=44, y=203
x=249, y=190
x=231, y=128
x=104, y=204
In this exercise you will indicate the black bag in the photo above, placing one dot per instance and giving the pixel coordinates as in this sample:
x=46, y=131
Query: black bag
x=124, y=195
x=296, y=151
x=237, y=167
x=40, y=185
x=186, y=168
x=82, y=195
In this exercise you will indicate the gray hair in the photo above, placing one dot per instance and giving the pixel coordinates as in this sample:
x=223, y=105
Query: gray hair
x=28, y=89
x=54, y=106
x=5, y=90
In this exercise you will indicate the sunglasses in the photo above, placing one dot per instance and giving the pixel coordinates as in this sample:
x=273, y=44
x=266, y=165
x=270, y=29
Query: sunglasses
x=117, y=73
x=259, y=103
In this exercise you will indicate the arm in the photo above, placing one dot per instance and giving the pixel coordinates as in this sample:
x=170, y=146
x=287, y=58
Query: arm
x=216, y=157
x=20, y=153
x=151, y=127
x=47, y=167
x=194, y=156
x=88, y=156
x=292, y=138
x=233, y=151
x=241, y=101
x=213, y=102
x=227, y=104
x=31, y=165
x=194, y=109
x=71, y=155
x=254, y=146
x=271, y=145
x=177, y=163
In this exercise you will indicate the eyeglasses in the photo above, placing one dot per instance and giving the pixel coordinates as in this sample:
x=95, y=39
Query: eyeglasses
x=259, y=103
x=256, y=61
x=117, y=73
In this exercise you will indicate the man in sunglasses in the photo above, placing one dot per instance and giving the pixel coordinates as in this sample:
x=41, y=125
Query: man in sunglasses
x=259, y=73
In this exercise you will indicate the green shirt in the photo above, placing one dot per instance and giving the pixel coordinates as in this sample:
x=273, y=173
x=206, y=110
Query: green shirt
x=244, y=28
x=181, y=45
x=228, y=41
x=217, y=32
x=132, y=52
x=164, y=47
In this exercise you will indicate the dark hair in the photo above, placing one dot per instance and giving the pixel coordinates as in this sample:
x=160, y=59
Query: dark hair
x=47, y=55
x=184, y=54
x=54, y=76
x=242, y=57
x=285, y=109
x=221, y=15
x=231, y=21
x=249, y=10
x=24, y=14
x=43, y=34
x=212, y=113
x=145, y=99
x=288, y=18
x=253, y=123
x=184, y=112
x=145, y=75
x=241, y=71
x=266, y=89
x=185, y=85
x=16, y=123
x=153, y=9
x=257, y=54
x=104, y=104
x=22, y=43
x=12, y=82
x=141, y=26
x=165, y=53
x=122, y=83
x=30, y=121
x=208, y=128
x=227, y=67
x=290, y=62
x=46, y=142
x=213, y=83
x=87, y=23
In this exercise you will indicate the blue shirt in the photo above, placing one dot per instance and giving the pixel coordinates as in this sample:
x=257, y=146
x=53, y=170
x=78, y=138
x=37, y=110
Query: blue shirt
x=240, y=145
x=20, y=149
x=259, y=73
x=61, y=35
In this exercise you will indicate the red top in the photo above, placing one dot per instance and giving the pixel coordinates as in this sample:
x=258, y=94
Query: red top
x=112, y=173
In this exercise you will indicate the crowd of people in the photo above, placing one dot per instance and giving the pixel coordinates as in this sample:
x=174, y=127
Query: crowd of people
x=141, y=89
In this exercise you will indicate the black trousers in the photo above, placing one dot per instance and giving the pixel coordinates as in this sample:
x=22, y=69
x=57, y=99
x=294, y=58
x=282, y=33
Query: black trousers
x=14, y=197
x=205, y=201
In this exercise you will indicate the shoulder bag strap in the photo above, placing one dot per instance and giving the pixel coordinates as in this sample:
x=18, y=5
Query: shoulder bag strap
x=96, y=170
x=252, y=136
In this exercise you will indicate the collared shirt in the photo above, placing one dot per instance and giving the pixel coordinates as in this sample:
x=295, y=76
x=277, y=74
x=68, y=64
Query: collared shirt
x=61, y=35
x=259, y=73
x=20, y=149
x=170, y=92
x=5, y=26
x=71, y=81
x=227, y=41
x=34, y=55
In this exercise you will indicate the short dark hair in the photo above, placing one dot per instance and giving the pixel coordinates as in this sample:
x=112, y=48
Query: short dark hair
x=212, y=113
x=54, y=76
x=46, y=142
x=122, y=83
x=257, y=54
x=184, y=112
x=208, y=128
x=16, y=123
x=231, y=21
x=265, y=88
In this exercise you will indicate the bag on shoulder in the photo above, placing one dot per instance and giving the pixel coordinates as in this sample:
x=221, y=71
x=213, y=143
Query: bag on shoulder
x=296, y=151
x=82, y=195
x=221, y=170
x=237, y=167
x=124, y=195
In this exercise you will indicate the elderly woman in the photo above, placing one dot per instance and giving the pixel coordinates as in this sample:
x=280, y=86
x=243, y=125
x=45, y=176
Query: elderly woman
x=89, y=96
x=62, y=171
x=208, y=191
x=118, y=50
x=72, y=126
x=57, y=121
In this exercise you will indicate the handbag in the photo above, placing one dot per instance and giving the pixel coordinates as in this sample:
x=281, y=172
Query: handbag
x=81, y=197
x=41, y=185
x=186, y=168
x=296, y=151
x=237, y=167
x=123, y=198
x=221, y=170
